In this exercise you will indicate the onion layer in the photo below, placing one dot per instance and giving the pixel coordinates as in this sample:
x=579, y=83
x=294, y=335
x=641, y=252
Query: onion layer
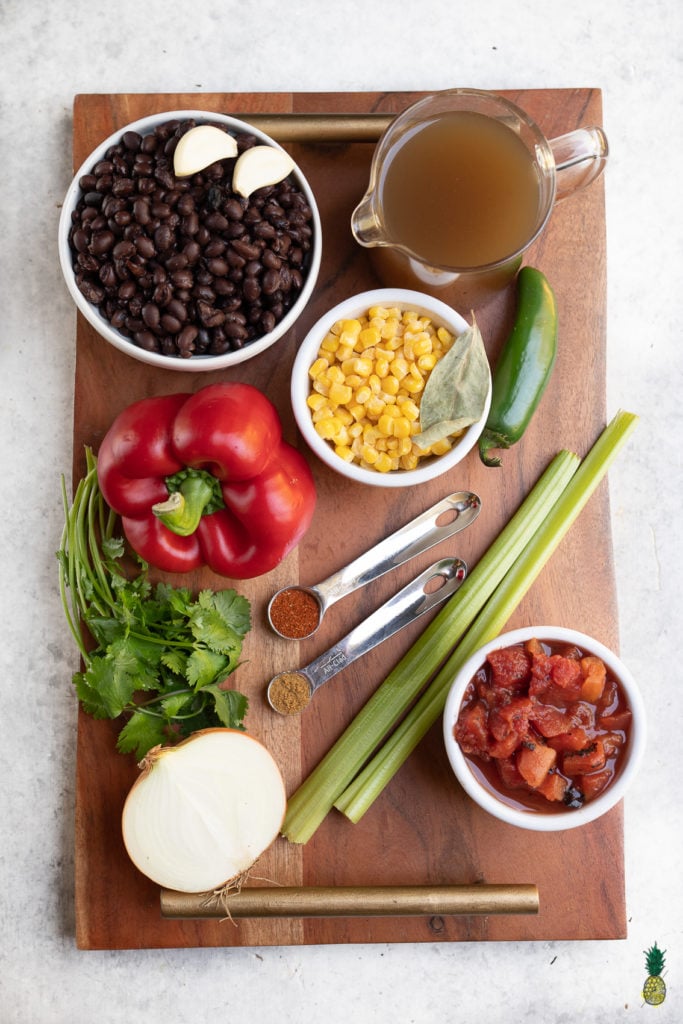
x=202, y=812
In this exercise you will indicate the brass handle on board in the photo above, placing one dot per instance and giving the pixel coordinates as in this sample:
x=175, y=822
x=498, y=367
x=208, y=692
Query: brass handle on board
x=353, y=901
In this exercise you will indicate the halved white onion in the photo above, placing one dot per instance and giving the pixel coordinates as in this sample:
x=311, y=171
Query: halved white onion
x=260, y=166
x=202, y=812
x=200, y=147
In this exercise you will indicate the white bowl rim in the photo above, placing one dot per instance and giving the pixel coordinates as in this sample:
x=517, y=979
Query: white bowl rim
x=558, y=821
x=402, y=297
x=104, y=328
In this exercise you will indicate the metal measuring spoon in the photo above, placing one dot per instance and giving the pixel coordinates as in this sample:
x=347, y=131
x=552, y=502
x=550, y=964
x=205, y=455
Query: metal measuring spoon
x=291, y=691
x=420, y=534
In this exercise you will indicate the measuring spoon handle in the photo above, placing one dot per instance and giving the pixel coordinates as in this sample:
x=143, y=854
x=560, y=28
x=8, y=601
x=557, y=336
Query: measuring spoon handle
x=404, y=607
x=417, y=536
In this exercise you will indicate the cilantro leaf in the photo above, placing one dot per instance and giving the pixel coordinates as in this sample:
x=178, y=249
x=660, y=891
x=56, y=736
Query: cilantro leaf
x=203, y=666
x=230, y=706
x=140, y=733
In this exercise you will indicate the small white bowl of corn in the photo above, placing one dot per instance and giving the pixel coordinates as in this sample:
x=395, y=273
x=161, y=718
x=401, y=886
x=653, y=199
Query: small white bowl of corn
x=357, y=383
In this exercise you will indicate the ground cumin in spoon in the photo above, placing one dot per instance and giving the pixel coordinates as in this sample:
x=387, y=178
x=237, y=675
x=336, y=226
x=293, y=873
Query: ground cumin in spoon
x=294, y=613
x=289, y=693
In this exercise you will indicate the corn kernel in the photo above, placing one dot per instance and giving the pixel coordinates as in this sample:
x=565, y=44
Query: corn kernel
x=335, y=375
x=344, y=452
x=400, y=426
x=383, y=463
x=316, y=401
x=381, y=366
x=318, y=367
x=358, y=365
x=329, y=344
x=441, y=447
x=426, y=363
x=340, y=393
x=369, y=337
x=409, y=409
x=369, y=454
x=363, y=394
x=409, y=461
x=385, y=424
x=422, y=345
x=390, y=386
x=399, y=367
x=328, y=428
x=444, y=336
x=351, y=327
x=413, y=386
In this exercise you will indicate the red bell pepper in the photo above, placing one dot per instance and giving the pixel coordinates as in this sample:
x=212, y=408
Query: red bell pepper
x=207, y=479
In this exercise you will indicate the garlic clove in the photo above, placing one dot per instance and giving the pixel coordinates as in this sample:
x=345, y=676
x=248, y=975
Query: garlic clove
x=200, y=147
x=260, y=166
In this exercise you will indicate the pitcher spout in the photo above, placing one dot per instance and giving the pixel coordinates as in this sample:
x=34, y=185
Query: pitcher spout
x=365, y=224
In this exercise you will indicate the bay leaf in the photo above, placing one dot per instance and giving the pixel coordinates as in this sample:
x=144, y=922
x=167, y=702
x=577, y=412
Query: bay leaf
x=454, y=396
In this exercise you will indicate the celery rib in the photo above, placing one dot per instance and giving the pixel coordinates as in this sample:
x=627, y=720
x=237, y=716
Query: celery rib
x=316, y=796
x=366, y=787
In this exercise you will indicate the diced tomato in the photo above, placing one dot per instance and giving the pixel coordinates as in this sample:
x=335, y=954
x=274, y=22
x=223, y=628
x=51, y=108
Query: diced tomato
x=609, y=700
x=509, y=773
x=582, y=762
x=612, y=742
x=534, y=647
x=575, y=739
x=550, y=721
x=566, y=674
x=594, y=678
x=508, y=724
x=534, y=761
x=471, y=729
x=541, y=675
x=553, y=787
x=509, y=669
x=583, y=714
x=618, y=721
x=592, y=785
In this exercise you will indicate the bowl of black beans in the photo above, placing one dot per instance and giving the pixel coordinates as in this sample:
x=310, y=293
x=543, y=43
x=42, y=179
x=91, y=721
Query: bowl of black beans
x=190, y=255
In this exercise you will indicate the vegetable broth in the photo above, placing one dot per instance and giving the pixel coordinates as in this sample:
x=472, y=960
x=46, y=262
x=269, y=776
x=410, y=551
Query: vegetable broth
x=461, y=191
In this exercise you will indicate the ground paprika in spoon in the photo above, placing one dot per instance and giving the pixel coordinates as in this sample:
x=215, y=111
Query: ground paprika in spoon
x=294, y=613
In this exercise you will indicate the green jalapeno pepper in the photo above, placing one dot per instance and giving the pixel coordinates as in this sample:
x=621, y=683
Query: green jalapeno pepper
x=524, y=367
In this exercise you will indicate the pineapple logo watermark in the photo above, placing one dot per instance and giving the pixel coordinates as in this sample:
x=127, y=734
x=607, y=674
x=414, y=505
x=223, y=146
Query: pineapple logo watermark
x=654, y=989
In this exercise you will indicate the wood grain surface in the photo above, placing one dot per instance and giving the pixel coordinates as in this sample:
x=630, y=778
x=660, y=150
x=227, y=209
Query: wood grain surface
x=423, y=830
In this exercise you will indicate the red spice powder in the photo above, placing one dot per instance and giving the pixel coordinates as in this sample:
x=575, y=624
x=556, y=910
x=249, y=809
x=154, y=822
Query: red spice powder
x=295, y=613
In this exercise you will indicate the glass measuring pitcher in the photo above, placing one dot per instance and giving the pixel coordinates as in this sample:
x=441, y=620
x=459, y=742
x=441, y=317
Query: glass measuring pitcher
x=461, y=183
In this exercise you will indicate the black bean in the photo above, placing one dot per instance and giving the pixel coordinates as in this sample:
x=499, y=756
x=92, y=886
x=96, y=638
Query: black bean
x=151, y=315
x=145, y=246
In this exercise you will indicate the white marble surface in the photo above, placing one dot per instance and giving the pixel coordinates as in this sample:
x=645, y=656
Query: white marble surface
x=632, y=51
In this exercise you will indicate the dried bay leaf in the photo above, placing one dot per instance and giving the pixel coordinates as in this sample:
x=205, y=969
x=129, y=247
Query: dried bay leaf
x=455, y=393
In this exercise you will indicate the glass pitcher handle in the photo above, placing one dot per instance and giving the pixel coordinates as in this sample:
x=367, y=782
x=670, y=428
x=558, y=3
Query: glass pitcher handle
x=580, y=158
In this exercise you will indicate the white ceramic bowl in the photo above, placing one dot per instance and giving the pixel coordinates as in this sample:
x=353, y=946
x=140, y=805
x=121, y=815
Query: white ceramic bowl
x=144, y=126
x=357, y=305
x=559, y=820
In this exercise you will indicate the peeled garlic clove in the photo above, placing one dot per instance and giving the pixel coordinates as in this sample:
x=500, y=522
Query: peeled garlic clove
x=258, y=167
x=200, y=147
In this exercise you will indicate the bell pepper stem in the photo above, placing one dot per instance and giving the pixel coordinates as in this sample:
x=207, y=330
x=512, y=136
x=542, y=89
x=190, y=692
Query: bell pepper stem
x=183, y=508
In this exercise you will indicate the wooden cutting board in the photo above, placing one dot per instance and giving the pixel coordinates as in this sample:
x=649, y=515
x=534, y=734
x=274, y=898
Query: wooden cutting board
x=422, y=830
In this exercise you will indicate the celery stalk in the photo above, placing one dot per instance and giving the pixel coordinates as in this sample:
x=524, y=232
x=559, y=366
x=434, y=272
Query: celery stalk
x=367, y=786
x=309, y=805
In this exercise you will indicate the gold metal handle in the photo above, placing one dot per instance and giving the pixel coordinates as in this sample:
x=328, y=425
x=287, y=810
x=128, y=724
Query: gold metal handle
x=320, y=127
x=353, y=901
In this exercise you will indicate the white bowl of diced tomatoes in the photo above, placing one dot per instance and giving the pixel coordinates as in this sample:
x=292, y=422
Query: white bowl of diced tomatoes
x=545, y=728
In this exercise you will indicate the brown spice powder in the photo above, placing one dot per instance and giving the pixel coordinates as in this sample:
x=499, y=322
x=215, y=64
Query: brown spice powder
x=294, y=613
x=289, y=693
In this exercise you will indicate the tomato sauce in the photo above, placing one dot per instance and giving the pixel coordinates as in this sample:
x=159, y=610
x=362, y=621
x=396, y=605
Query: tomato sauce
x=544, y=726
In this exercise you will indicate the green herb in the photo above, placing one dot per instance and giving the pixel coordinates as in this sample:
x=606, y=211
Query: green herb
x=454, y=396
x=160, y=656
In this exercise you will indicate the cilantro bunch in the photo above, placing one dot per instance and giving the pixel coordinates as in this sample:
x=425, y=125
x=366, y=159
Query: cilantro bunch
x=160, y=656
